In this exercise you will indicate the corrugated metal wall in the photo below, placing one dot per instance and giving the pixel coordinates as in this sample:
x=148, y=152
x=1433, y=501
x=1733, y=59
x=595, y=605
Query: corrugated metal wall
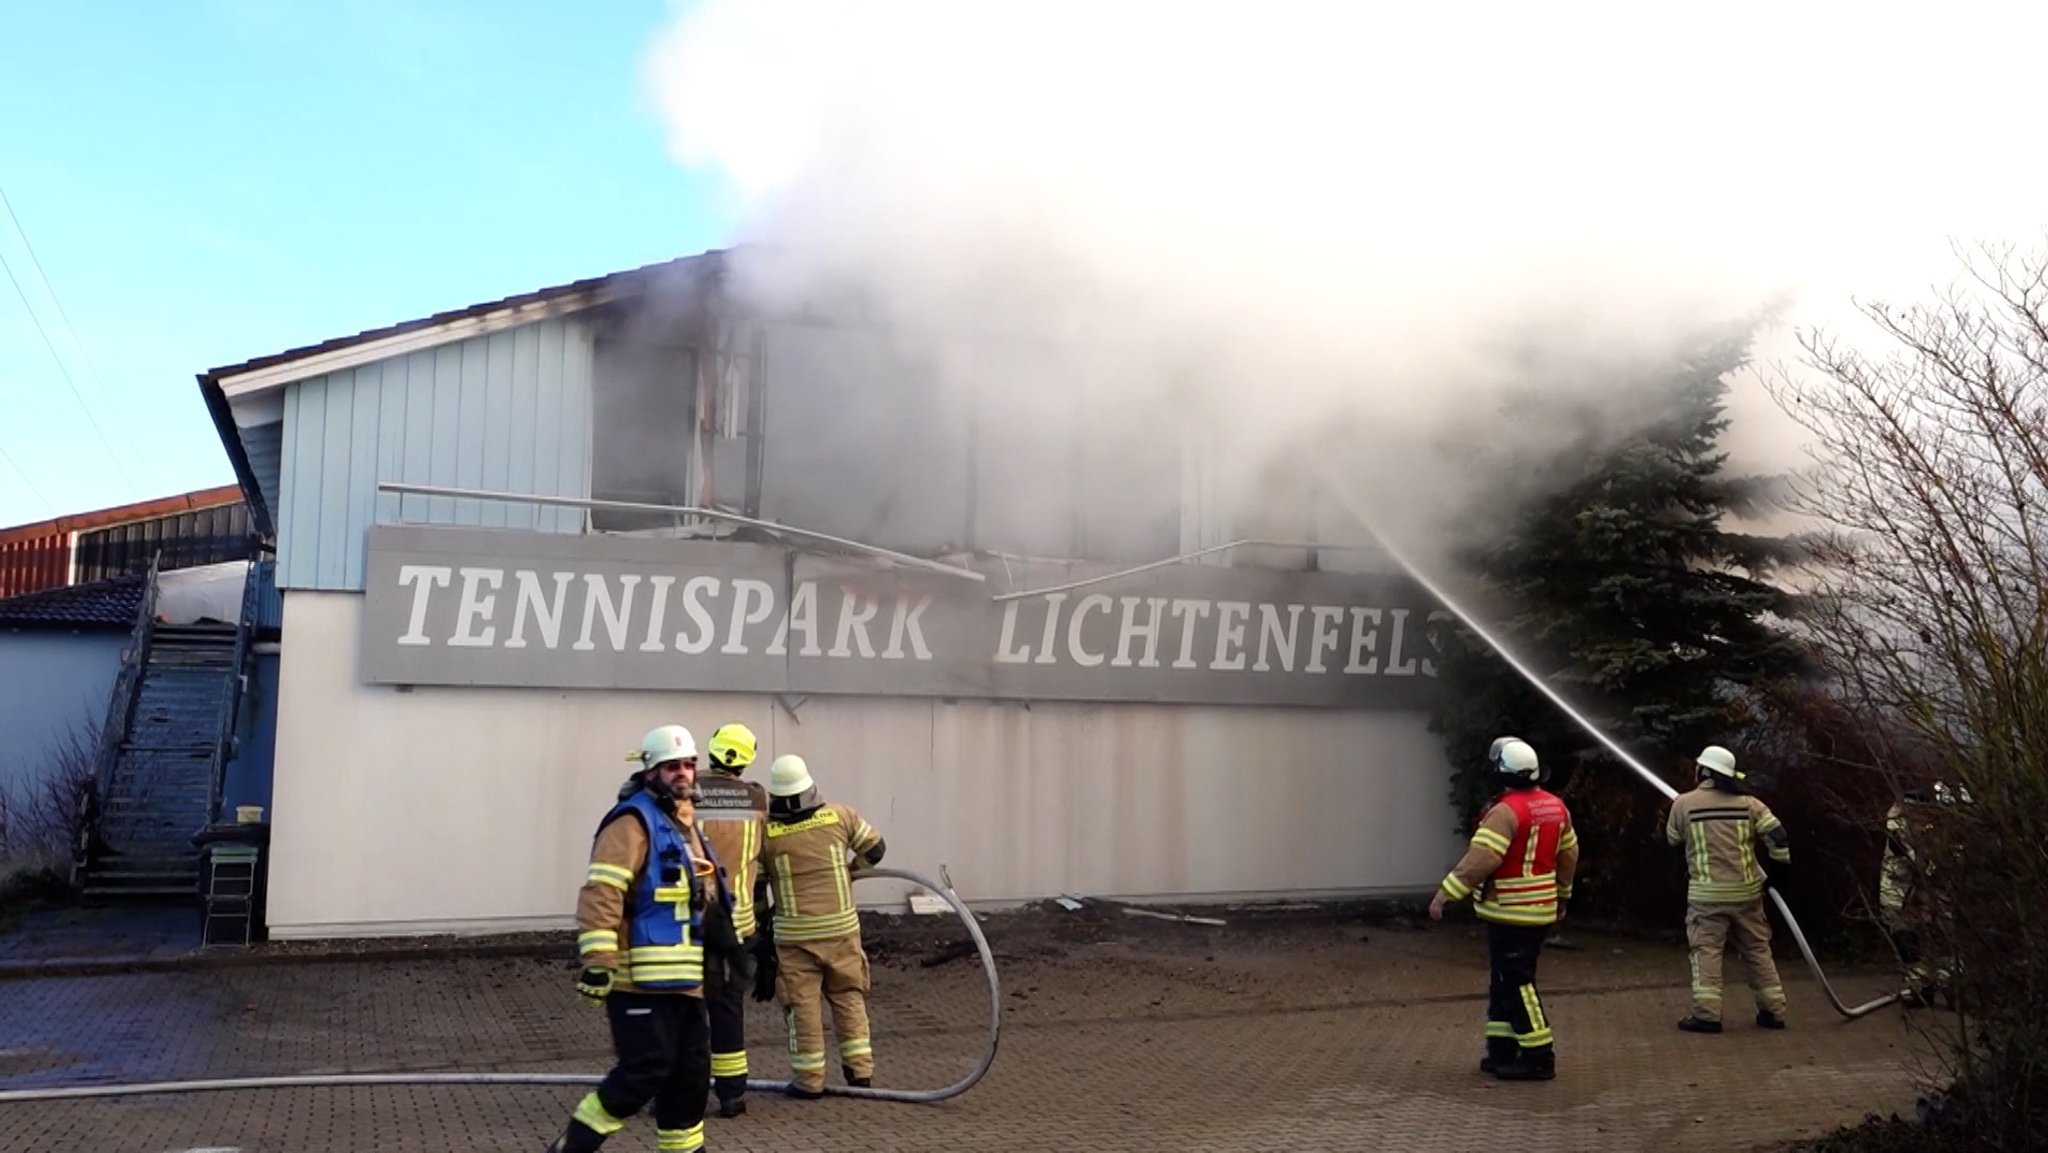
x=508, y=411
x=33, y=563
x=182, y=540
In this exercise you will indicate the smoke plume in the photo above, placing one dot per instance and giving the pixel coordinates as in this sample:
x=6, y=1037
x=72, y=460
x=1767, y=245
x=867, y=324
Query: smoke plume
x=1346, y=230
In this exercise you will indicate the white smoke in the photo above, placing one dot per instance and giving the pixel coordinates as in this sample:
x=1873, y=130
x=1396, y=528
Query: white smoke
x=1358, y=217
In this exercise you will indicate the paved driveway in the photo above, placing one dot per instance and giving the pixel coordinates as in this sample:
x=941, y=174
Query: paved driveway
x=1119, y=1033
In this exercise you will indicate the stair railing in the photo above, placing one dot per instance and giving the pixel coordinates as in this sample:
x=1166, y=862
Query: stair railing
x=114, y=730
x=229, y=722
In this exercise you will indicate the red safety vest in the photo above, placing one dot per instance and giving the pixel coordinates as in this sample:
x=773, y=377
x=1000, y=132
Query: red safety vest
x=1523, y=890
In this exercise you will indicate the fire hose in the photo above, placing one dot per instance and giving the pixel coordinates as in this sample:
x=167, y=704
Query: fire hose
x=1654, y=781
x=324, y=1080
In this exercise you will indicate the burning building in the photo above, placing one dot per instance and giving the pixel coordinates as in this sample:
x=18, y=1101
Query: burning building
x=511, y=538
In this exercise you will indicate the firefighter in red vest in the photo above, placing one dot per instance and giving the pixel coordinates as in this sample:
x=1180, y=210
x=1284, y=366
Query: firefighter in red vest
x=1520, y=864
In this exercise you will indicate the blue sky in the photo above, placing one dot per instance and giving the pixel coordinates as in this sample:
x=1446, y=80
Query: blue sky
x=208, y=181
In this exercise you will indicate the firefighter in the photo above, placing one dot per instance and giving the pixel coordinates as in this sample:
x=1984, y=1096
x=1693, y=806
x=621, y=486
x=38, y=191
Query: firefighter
x=651, y=901
x=733, y=813
x=812, y=849
x=1904, y=903
x=1720, y=824
x=1520, y=863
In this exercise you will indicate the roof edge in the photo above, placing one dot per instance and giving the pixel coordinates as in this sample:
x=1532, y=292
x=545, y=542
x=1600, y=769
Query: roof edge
x=238, y=456
x=415, y=336
x=266, y=373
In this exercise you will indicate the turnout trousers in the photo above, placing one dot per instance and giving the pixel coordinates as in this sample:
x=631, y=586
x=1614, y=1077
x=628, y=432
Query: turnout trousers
x=1708, y=929
x=664, y=1055
x=1516, y=1028
x=725, y=999
x=813, y=974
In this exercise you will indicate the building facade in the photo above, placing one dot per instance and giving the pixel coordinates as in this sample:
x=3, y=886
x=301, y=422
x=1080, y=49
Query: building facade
x=911, y=564
x=205, y=527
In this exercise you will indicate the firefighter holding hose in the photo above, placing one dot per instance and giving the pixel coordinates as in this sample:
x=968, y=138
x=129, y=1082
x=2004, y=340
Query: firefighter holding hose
x=812, y=849
x=1719, y=825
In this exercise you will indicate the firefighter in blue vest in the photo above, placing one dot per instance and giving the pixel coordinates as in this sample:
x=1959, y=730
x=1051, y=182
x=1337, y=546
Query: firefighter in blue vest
x=653, y=899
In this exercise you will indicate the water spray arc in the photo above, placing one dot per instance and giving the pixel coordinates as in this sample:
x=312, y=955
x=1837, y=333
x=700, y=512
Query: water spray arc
x=1444, y=598
x=328, y=1080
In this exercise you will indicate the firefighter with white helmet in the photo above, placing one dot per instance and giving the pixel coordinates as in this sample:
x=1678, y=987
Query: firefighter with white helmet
x=653, y=900
x=812, y=849
x=1720, y=825
x=1520, y=865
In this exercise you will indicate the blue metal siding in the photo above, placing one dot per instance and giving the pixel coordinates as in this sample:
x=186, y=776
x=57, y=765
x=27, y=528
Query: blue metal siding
x=508, y=411
x=269, y=602
x=264, y=443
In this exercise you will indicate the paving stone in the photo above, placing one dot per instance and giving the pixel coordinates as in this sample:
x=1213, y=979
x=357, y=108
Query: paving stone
x=1169, y=1037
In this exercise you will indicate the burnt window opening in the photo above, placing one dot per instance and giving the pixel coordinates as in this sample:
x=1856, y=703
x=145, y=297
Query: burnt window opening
x=672, y=424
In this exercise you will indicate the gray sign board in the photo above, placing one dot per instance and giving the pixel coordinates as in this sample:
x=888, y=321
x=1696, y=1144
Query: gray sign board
x=457, y=606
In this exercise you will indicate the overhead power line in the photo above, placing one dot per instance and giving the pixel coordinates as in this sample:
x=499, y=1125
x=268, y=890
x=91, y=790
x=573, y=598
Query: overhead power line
x=19, y=471
x=68, y=382
x=77, y=342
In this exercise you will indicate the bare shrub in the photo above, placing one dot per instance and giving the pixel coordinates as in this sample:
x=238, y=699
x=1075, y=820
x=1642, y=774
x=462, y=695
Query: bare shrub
x=1930, y=616
x=42, y=810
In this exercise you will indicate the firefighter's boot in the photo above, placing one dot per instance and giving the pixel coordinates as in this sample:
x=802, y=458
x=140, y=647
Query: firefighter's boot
x=577, y=1138
x=1766, y=1019
x=1699, y=1025
x=1532, y=1065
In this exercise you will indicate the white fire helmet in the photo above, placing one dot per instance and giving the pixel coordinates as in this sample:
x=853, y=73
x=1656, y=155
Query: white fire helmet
x=1513, y=757
x=664, y=744
x=788, y=776
x=1718, y=761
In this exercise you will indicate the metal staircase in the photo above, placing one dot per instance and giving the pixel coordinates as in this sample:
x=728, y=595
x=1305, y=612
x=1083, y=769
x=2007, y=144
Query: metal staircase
x=169, y=736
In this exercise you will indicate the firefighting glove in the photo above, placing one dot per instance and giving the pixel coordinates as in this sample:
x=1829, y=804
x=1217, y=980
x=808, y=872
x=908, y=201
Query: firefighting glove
x=766, y=969
x=595, y=984
x=743, y=966
x=717, y=928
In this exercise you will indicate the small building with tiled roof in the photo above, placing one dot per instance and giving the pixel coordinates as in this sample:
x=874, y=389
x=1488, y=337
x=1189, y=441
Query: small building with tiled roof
x=60, y=654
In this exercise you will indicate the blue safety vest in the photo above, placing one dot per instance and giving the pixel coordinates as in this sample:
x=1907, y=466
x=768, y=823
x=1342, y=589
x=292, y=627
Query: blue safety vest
x=662, y=946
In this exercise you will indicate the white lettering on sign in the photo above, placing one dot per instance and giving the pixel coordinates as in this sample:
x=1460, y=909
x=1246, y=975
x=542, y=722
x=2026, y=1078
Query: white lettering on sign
x=1079, y=655
x=1230, y=636
x=424, y=579
x=474, y=606
x=546, y=615
x=1129, y=631
x=617, y=614
x=694, y=592
x=744, y=590
x=855, y=611
x=1322, y=633
x=1271, y=634
x=657, y=611
x=1184, y=609
x=905, y=626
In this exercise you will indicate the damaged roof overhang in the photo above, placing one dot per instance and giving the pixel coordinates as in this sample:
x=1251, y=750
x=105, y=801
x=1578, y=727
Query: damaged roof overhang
x=238, y=389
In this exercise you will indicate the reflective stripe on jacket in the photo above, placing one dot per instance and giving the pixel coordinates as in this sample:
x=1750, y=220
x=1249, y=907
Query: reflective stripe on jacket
x=807, y=864
x=733, y=814
x=637, y=893
x=1719, y=831
x=1521, y=859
